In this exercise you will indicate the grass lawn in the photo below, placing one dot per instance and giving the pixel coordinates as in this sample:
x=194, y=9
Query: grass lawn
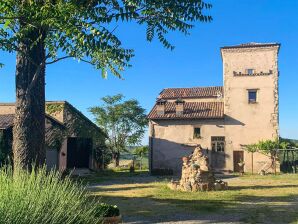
x=250, y=199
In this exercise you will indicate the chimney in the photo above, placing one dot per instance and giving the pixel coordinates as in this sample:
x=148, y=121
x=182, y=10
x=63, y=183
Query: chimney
x=160, y=107
x=179, y=107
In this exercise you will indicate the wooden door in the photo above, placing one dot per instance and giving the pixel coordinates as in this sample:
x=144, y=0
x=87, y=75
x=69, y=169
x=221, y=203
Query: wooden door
x=238, y=156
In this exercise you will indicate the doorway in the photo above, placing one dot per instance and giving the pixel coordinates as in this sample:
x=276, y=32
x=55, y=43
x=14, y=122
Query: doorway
x=238, y=156
x=78, y=152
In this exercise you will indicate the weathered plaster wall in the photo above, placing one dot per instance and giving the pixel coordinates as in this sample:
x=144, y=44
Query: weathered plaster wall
x=260, y=120
x=173, y=139
x=7, y=108
x=244, y=123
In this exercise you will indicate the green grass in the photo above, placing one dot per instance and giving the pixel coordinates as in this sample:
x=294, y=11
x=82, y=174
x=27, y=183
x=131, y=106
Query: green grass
x=41, y=197
x=249, y=199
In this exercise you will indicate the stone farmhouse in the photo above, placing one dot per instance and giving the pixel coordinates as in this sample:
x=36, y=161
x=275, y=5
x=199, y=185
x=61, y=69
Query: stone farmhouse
x=221, y=119
x=72, y=140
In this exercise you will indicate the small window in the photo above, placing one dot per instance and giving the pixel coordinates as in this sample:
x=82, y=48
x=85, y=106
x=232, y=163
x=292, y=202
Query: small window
x=252, y=96
x=218, y=143
x=197, y=133
x=250, y=71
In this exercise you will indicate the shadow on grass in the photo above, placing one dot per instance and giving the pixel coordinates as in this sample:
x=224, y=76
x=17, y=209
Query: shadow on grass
x=152, y=210
x=257, y=187
x=96, y=188
x=168, y=206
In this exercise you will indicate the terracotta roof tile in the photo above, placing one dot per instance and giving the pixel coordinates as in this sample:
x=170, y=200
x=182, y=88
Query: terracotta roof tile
x=6, y=121
x=194, y=92
x=192, y=110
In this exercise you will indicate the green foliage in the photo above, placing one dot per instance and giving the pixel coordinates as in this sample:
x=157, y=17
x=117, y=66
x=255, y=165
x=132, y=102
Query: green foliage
x=141, y=151
x=107, y=210
x=268, y=146
x=251, y=148
x=54, y=108
x=124, y=122
x=44, y=197
x=288, y=143
x=85, y=29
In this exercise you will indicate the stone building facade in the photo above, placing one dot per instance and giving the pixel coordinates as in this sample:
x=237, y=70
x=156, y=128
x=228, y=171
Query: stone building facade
x=72, y=140
x=220, y=119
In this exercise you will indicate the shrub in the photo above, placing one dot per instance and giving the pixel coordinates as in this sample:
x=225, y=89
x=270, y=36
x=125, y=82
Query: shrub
x=108, y=210
x=44, y=197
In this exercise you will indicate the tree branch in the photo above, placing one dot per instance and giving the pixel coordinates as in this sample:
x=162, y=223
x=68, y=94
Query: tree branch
x=68, y=56
x=58, y=59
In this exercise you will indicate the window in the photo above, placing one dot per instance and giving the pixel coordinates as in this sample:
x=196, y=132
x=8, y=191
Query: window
x=218, y=143
x=250, y=71
x=197, y=133
x=252, y=96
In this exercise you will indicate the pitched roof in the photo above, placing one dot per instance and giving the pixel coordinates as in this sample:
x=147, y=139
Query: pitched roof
x=194, y=92
x=192, y=110
x=252, y=44
x=79, y=113
x=6, y=121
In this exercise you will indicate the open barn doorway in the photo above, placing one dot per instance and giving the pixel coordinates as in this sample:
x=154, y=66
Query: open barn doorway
x=78, y=152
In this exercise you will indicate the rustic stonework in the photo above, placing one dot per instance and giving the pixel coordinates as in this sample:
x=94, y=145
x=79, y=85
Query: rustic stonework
x=197, y=174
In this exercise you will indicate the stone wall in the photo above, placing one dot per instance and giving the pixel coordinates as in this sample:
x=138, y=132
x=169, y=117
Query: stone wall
x=77, y=125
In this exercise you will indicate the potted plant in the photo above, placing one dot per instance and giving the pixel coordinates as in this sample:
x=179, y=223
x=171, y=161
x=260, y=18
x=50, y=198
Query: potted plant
x=110, y=213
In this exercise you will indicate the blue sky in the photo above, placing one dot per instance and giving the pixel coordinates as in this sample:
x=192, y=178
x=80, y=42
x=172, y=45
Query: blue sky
x=195, y=61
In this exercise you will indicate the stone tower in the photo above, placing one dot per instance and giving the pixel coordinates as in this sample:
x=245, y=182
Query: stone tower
x=250, y=74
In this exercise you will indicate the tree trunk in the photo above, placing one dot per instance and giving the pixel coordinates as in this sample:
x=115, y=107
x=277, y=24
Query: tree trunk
x=141, y=163
x=252, y=163
x=29, y=123
x=116, y=158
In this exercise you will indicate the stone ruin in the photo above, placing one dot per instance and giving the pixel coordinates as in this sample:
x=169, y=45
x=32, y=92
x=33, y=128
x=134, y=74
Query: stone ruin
x=197, y=174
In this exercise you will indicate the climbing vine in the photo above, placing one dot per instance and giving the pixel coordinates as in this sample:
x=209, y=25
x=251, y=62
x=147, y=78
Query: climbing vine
x=54, y=108
x=76, y=125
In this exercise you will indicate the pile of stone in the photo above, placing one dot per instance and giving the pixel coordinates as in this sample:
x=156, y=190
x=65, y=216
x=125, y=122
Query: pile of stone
x=197, y=175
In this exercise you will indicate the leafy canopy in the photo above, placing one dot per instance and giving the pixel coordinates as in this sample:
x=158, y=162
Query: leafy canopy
x=252, y=148
x=85, y=29
x=141, y=151
x=124, y=122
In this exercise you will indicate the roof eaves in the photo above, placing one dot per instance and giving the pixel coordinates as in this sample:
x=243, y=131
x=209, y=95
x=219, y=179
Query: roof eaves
x=83, y=116
x=252, y=46
x=55, y=121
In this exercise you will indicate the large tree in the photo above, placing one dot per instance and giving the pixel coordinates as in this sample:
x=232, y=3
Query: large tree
x=43, y=32
x=124, y=123
x=141, y=152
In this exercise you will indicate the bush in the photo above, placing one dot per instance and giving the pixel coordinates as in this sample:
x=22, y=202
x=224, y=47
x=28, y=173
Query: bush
x=44, y=197
x=108, y=210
